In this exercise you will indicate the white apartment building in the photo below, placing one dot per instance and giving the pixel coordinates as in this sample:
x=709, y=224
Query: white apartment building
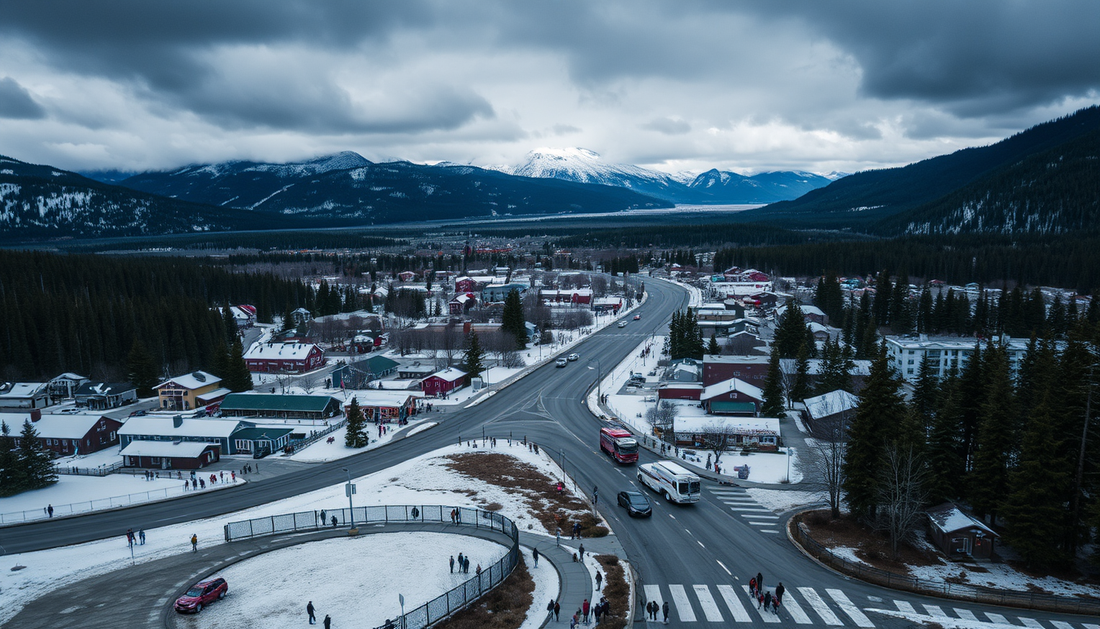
x=906, y=352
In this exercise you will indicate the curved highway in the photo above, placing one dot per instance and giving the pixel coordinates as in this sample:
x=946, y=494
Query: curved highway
x=697, y=557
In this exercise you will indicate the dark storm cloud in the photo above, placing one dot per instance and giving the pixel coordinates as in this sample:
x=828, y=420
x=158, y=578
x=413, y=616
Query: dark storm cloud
x=16, y=102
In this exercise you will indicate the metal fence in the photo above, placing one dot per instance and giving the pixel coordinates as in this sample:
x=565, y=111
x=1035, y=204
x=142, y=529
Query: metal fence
x=434, y=610
x=972, y=593
x=76, y=470
x=317, y=436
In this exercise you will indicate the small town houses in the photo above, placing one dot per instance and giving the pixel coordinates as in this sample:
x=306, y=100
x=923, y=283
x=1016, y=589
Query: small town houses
x=272, y=405
x=170, y=429
x=66, y=434
x=443, y=382
x=284, y=357
x=190, y=391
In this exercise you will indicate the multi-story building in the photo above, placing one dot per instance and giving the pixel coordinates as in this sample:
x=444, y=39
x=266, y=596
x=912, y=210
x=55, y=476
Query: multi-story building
x=946, y=353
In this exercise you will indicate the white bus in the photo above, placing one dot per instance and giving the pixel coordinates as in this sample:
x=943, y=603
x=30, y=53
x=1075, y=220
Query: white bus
x=670, y=480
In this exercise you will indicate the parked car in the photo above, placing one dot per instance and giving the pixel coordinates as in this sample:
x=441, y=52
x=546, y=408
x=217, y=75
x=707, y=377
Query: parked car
x=560, y=362
x=636, y=504
x=200, y=594
x=573, y=357
x=622, y=324
x=138, y=414
x=636, y=317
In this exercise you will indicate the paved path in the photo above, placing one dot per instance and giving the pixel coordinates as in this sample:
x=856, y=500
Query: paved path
x=141, y=595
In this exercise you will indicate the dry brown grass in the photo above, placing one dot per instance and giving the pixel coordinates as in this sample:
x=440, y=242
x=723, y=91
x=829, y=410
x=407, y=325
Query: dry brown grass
x=872, y=546
x=617, y=591
x=553, y=509
x=503, y=608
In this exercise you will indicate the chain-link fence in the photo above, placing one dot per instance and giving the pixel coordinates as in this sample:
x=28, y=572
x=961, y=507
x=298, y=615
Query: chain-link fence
x=434, y=610
x=945, y=589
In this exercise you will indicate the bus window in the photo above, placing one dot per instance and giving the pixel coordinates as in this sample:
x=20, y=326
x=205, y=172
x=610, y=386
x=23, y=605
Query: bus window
x=682, y=487
x=695, y=488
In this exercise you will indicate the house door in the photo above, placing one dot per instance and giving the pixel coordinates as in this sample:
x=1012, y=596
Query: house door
x=960, y=545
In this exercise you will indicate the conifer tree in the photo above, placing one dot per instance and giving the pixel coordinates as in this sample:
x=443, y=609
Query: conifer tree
x=472, y=361
x=774, y=402
x=33, y=462
x=11, y=479
x=790, y=332
x=944, y=450
x=713, y=348
x=836, y=369
x=925, y=392
x=356, y=434
x=288, y=319
x=995, y=437
x=881, y=409
x=512, y=321
x=141, y=369
x=231, y=328
x=238, y=378
x=801, y=388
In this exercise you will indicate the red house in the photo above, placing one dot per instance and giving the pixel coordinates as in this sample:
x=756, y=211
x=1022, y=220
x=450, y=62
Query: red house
x=465, y=284
x=69, y=434
x=443, y=382
x=284, y=357
x=461, y=303
x=732, y=397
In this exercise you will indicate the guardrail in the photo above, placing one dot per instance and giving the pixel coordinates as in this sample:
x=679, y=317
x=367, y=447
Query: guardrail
x=958, y=591
x=76, y=470
x=433, y=611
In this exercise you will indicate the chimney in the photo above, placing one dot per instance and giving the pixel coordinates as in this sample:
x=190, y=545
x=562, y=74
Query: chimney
x=36, y=414
x=177, y=421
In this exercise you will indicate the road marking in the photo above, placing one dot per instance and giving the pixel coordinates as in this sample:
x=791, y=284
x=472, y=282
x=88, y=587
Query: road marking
x=766, y=616
x=966, y=614
x=905, y=606
x=1088, y=626
x=761, y=516
x=1058, y=624
x=935, y=611
x=736, y=608
x=653, y=593
x=700, y=543
x=997, y=618
x=819, y=606
x=1031, y=622
x=761, y=523
x=849, y=608
x=683, y=605
x=706, y=601
x=769, y=531
x=762, y=509
x=790, y=603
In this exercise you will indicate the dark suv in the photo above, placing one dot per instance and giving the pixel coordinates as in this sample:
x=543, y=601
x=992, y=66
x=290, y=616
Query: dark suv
x=202, y=593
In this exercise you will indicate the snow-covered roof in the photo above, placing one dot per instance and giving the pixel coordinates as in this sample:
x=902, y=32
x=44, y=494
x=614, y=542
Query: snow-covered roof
x=193, y=380
x=213, y=395
x=733, y=384
x=166, y=449
x=948, y=518
x=279, y=351
x=23, y=389
x=68, y=376
x=103, y=388
x=737, y=425
x=830, y=403
x=69, y=426
x=450, y=374
x=163, y=426
x=382, y=398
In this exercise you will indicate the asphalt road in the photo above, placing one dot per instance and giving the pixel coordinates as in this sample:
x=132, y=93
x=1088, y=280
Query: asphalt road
x=699, y=557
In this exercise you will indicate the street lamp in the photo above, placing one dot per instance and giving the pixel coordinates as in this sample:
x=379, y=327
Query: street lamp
x=349, y=489
x=599, y=378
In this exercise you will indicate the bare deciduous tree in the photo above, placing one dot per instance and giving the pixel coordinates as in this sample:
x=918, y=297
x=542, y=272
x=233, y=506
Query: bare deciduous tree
x=901, y=494
x=663, y=417
x=825, y=459
x=717, y=437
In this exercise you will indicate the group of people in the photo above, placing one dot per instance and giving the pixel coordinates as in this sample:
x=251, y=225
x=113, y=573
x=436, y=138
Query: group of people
x=135, y=538
x=311, y=610
x=331, y=520
x=576, y=532
x=463, y=564
x=652, y=608
x=587, y=609
x=456, y=516
x=765, y=599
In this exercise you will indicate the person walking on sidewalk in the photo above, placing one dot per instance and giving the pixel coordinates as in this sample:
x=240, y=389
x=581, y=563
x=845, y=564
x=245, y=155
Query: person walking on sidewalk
x=452, y=564
x=550, y=607
x=194, y=543
x=309, y=610
x=328, y=622
x=535, y=555
x=665, y=610
x=557, y=611
x=599, y=580
x=582, y=552
x=584, y=610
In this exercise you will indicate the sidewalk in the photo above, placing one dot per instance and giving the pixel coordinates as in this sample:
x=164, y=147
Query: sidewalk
x=576, y=581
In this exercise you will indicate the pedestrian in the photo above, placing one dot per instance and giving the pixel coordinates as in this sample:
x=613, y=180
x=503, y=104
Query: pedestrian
x=582, y=552
x=202, y=483
x=141, y=536
x=767, y=601
x=478, y=572
x=574, y=620
x=194, y=543
x=49, y=510
x=585, y=609
x=452, y=564
x=550, y=607
x=309, y=610
x=461, y=559
x=535, y=555
x=323, y=518
x=665, y=610
x=233, y=476
x=328, y=622
x=333, y=521
x=599, y=580
x=759, y=582
x=752, y=586
x=649, y=610
x=186, y=485
x=557, y=611
x=597, y=609
x=466, y=565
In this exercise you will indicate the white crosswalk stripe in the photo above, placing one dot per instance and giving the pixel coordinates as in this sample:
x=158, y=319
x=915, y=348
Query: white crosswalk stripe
x=765, y=615
x=966, y=614
x=1031, y=622
x=849, y=608
x=1058, y=624
x=996, y=618
x=1088, y=626
x=680, y=600
x=706, y=601
x=734, y=603
x=905, y=606
x=819, y=606
x=653, y=593
x=790, y=603
x=935, y=611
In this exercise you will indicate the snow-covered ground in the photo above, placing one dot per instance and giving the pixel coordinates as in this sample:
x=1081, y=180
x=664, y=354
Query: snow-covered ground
x=322, y=450
x=547, y=586
x=423, y=480
x=354, y=580
x=80, y=494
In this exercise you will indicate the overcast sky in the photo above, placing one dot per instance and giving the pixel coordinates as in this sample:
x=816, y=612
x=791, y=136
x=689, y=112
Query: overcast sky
x=676, y=85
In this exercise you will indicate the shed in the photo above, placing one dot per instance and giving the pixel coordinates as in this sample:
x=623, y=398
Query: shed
x=960, y=535
x=825, y=412
x=170, y=455
x=443, y=382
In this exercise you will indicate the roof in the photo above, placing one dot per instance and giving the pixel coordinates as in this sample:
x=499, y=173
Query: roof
x=193, y=380
x=450, y=374
x=167, y=449
x=948, y=519
x=733, y=384
x=68, y=426
x=68, y=375
x=830, y=403
x=805, y=308
x=373, y=397
x=104, y=388
x=275, y=402
x=213, y=395
x=376, y=364
x=759, y=426
x=162, y=426
x=280, y=351
x=262, y=433
x=732, y=407
x=24, y=389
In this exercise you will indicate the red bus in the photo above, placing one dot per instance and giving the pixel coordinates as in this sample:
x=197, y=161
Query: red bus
x=619, y=443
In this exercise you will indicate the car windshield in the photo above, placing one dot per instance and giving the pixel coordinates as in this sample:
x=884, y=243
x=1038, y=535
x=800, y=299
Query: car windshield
x=627, y=446
x=695, y=487
x=194, y=591
x=637, y=500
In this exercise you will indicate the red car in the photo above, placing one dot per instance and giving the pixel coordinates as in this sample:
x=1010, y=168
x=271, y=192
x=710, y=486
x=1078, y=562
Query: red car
x=636, y=317
x=202, y=593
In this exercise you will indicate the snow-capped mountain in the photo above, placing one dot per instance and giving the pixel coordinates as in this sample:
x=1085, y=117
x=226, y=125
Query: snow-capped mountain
x=713, y=186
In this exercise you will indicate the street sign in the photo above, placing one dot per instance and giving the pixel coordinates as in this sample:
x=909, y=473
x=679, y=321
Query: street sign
x=349, y=490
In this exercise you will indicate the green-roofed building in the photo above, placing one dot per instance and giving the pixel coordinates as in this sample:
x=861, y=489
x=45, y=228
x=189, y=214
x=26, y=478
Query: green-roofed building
x=356, y=375
x=261, y=439
x=280, y=406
